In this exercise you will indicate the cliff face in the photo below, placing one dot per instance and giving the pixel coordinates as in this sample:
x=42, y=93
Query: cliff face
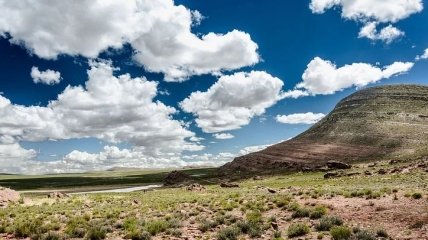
x=371, y=124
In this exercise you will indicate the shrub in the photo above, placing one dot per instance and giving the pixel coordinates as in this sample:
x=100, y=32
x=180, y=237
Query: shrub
x=318, y=212
x=139, y=235
x=28, y=228
x=96, y=233
x=301, y=213
x=52, y=236
x=76, y=227
x=156, y=226
x=340, y=233
x=206, y=225
x=328, y=222
x=416, y=195
x=229, y=233
x=363, y=235
x=297, y=229
x=254, y=217
x=381, y=233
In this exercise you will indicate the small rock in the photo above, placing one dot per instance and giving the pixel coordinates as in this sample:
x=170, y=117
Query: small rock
x=368, y=173
x=381, y=171
x=331, y=175
x=274, y=225
x=257, y=178
x=195, y=187
x=338, y=165
x=271, y=190
x=228, y=185
x=57, y=195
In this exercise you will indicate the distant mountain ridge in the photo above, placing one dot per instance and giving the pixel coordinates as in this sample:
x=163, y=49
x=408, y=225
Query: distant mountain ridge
x=374, y=123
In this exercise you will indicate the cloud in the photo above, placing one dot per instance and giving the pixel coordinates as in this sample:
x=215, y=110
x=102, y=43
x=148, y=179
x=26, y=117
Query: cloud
x=387, y=34
x=423, y=56
x=49, y=77
x=158, y=30
x=300, y=118
x=233, y=100
x=371, y=13
x=324, y=77
x=13, y=156
x=116, y=109
x=223, y=136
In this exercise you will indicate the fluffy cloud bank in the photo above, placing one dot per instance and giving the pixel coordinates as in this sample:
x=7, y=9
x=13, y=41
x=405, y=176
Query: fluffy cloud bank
x=300, y=118
x=372, y=13
x=324, y=77
x=111, y=108
x=49, y=77
x=233, y=100
x=158, y=30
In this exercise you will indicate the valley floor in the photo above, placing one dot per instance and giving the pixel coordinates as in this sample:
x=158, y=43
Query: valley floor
x=383, y=201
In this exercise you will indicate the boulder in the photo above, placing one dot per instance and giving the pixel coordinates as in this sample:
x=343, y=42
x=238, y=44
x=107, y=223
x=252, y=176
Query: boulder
x=56, y=195
x=331, y=175
x=195, y=187
x=257, y=178
x=338, y=165
x=176, y=177
x=8, y=196
x=228, y=185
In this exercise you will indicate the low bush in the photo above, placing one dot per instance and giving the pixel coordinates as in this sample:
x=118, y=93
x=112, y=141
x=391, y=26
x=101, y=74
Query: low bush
x=96, y=233
x=156, y=226
x=340, y=233
x=297, y=230
x=228, y=233
x=301, y=213
x=327, y=222
x=318, y=212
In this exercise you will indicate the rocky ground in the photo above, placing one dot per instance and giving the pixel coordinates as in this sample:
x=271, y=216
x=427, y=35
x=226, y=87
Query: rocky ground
x=387, y=200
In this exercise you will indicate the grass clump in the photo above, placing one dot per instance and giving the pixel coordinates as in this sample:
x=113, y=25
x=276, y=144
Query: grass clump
x=327, y=222
x=156, y=226
x=301, y=213
x=318, y=212
x=297, y=230
x=228, y=233
x=417, y=195
x=363, y=235
x=96, y=233
x=340, y=233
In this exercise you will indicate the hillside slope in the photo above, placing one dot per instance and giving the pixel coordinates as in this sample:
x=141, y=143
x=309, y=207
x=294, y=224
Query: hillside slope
x=374, y=123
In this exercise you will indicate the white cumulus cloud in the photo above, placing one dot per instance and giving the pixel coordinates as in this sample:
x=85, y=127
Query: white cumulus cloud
x=116, y=109
x=233, y=100
x=423, y=56
x=300, y=118
x=371, y=13
x=223, y=136
x=49, y=77
x=158, y=30
x=324, y=77
x=387, y=34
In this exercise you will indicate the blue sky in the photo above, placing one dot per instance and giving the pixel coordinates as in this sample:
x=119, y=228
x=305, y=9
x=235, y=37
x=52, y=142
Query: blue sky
x=289, y=36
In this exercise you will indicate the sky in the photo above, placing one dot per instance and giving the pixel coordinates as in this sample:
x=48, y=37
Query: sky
x=90, y=85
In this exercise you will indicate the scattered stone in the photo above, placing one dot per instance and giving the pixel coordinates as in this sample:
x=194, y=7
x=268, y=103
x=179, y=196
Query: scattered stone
x=228, y=185
x=176, y=177
x=393, y=162
x=381, y=171
x=271, y=190
x=8, y=196
x=274, y=225
x=57, y=195
x=338, y=165
x=372, y=165
x=331, y=175
x=195, y=187
x=257, y=178
x=368, y=173
x=135, y=201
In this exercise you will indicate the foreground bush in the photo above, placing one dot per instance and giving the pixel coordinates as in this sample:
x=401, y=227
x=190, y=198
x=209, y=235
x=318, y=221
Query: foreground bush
x=298, y=229
x=340, y=233
x=229, y=233
x=326, y=223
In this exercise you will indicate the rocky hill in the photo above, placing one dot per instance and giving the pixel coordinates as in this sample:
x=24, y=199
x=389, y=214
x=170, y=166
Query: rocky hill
x=371, y=124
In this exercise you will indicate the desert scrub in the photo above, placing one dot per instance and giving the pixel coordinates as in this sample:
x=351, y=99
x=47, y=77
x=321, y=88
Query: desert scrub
x=156, y=226
x=139, y=235
x=363, y=235
x=96, y=232
x=52, y=236
x=76, y=227
x=28, y=228
x=340, y=233
x=301, y=213
x=417, y=195
x=318, y=212
x=228, y=233
x=205, y=225
x=297, y=230
x=327, y=222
